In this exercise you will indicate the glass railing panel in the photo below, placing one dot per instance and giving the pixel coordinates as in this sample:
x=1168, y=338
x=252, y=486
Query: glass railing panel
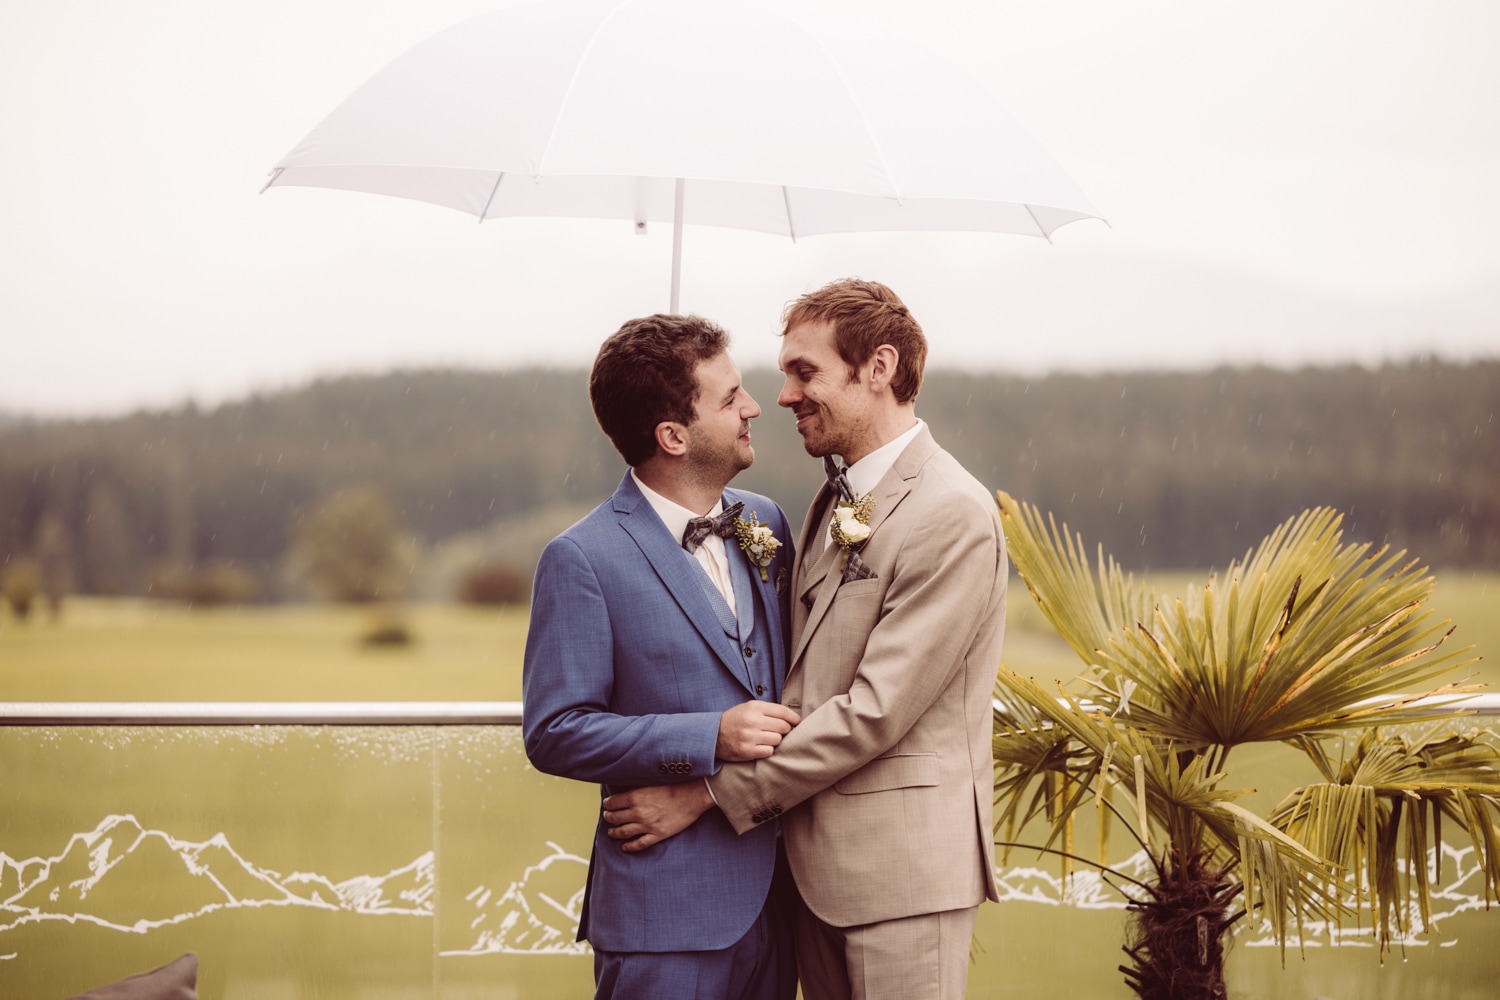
x=513, y=849
x=1057, y=935
x=320, y=861
x=297, y=861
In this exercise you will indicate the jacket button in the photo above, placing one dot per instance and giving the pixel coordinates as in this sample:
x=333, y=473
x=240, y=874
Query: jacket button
x=749, y=651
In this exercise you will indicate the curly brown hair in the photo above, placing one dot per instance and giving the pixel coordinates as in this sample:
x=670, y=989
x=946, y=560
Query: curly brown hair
x=645, y=373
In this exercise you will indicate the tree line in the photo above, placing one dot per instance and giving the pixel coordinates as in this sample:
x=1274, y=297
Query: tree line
x=1179, y=470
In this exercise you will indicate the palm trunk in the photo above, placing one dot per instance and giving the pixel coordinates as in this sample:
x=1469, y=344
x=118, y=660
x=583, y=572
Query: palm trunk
x=1176, y=939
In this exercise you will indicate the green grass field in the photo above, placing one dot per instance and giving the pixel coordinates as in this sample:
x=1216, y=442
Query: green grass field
x=133, y=650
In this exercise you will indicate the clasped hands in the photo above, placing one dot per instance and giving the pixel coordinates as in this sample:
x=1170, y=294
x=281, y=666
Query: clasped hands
x=646, y=816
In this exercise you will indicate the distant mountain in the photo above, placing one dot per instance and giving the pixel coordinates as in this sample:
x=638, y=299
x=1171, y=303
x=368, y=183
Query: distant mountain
x=128, y=878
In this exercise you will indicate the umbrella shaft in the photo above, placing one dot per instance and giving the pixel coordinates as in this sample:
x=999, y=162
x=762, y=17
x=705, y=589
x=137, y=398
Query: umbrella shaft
x=677, y=246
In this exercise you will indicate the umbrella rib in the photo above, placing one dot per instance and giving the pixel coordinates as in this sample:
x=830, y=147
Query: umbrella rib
x=786, y=200
x=573, y=82
x=1039, y=227
x=272, y=179
x=485, y=211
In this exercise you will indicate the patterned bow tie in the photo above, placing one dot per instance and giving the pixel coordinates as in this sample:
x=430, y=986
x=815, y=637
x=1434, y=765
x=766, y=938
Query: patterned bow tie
x=837, y=478
x=699, y=528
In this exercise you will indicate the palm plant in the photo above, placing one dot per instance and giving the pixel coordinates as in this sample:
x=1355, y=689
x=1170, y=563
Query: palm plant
x=1305, y=641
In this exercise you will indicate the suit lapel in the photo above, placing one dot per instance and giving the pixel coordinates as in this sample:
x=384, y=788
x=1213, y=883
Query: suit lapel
x=824, y=578
x=814, y=560
x=810, y=540
x=673, y=568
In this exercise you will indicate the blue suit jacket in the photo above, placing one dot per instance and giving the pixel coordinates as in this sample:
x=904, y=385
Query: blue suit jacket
x=627, y=672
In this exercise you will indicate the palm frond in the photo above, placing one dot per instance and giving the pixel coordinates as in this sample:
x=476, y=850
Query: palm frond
x=1382, y=815
x=1083, y=606
x=1308, y=635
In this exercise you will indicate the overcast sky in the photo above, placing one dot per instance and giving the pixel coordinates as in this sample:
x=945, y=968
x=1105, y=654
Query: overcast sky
x=1287, y=182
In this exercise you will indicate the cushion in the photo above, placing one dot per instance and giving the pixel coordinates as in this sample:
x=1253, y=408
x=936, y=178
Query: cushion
x=177, y=980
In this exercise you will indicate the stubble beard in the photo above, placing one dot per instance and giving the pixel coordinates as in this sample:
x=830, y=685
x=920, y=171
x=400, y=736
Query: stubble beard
x=719, y=467
x=814, y=448
x=816, y=441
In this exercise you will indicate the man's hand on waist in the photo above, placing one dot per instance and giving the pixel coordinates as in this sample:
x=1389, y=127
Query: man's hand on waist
x=643, y=817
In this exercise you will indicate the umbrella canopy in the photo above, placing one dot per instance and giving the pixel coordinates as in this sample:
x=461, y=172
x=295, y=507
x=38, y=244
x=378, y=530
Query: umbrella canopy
x=734, y=113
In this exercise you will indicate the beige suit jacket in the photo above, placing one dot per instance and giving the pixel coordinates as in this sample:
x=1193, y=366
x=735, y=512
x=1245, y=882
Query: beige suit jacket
x=890, y=771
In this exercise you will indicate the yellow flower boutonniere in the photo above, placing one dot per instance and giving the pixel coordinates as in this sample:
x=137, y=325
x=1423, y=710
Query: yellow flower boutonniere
x=851, y=525
x=757, y=542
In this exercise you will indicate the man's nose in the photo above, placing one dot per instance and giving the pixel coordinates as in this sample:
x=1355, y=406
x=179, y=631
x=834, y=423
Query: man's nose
x=752, y=408
x=789, y=395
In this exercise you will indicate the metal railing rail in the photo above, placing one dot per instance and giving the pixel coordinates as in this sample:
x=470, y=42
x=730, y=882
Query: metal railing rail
x=383, y=713
x=261, y=713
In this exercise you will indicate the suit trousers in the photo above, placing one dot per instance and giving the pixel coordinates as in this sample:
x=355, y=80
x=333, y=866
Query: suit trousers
x=761, y=965
x=925, y=957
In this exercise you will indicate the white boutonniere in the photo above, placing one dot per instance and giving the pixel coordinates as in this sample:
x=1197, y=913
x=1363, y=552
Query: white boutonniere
x=851, y=525
x=757, y=542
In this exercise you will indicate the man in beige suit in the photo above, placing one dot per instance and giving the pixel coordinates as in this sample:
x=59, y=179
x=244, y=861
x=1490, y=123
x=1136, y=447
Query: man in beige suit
x=884, y=790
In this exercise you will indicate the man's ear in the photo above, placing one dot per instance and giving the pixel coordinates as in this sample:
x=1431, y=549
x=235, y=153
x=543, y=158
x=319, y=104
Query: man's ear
x=671, y=438
x=883, y=367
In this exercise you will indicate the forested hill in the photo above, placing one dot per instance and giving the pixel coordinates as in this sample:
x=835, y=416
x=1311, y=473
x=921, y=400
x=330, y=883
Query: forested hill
x=1163, y=470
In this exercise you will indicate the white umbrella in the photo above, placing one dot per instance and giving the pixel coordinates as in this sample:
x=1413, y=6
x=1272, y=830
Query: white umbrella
x=732, y=113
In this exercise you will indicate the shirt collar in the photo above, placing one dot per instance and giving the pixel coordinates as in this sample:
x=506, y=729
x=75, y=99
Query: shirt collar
x=673, y=514
x=867, y=473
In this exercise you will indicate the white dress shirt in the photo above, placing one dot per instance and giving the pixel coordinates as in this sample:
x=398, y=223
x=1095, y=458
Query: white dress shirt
x=711, y=554
x=867, y=473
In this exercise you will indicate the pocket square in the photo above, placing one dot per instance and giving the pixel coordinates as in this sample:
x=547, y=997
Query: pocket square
x=856, y=569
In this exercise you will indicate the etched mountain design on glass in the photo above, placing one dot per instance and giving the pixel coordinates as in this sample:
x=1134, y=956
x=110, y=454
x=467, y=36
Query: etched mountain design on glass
x=123, y=876
x=537, y=915
x=1462, y=890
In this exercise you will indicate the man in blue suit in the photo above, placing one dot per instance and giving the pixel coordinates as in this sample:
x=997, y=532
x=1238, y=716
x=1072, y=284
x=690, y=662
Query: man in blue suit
x=657, y=651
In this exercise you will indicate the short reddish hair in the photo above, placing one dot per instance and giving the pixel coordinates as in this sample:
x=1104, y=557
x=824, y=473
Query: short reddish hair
x=866, y=314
